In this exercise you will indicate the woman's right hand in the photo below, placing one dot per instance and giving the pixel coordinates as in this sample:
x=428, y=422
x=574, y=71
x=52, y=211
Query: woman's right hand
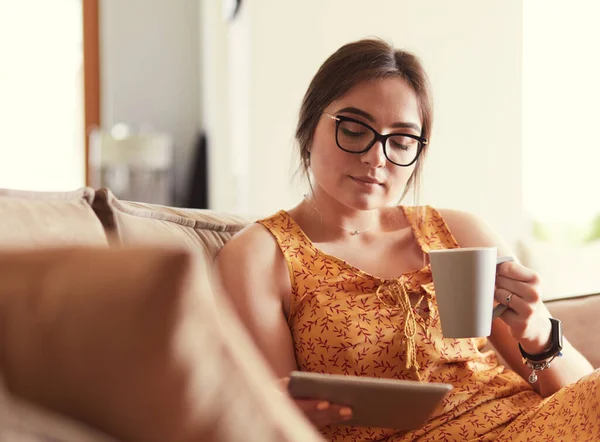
x=320, y=413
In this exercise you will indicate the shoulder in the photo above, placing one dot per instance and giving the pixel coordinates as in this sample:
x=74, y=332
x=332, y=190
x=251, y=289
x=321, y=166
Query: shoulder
x=471, y=230
x=254, y=252
x=254, y=243
x=252, y=268
x=254, y=237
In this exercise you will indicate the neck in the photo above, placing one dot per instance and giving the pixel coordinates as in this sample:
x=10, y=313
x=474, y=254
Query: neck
x=336, y=216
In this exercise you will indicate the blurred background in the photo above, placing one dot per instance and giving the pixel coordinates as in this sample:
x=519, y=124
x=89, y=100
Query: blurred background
x=194, y=103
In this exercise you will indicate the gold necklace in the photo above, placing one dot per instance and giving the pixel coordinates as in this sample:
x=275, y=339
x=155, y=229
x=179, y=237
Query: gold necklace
x=352, y=232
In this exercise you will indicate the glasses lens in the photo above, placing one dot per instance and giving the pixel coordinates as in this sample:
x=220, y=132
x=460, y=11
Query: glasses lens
x=354, y=137
x=402, y=150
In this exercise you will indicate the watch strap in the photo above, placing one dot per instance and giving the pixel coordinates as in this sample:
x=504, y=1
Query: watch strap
x=555, y=348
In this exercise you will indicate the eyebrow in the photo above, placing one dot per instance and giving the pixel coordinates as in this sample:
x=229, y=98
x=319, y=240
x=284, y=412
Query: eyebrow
x=368, y=116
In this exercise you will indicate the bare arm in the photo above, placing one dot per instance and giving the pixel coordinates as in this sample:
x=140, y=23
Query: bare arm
x=534, y=326
x=254, y=275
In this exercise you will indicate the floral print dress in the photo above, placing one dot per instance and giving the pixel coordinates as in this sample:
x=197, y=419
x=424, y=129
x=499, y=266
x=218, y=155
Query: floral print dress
x=346, y=321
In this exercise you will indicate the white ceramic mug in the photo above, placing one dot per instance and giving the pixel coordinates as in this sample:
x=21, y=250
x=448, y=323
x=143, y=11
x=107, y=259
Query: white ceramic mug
x=464, y=281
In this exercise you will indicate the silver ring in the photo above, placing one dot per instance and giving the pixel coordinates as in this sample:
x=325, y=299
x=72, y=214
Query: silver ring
x=508, y=298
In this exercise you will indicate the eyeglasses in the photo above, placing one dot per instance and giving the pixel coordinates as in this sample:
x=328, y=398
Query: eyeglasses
x=354, y=136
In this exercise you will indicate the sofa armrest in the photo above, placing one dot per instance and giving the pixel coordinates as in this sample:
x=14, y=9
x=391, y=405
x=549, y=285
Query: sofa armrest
x=580, y=323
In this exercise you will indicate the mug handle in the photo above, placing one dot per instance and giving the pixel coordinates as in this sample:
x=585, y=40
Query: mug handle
x=501, y=308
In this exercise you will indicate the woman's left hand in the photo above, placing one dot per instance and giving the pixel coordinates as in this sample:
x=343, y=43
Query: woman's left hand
x=527, y=317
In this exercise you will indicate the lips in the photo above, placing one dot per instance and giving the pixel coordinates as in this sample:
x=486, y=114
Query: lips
x=366, y=180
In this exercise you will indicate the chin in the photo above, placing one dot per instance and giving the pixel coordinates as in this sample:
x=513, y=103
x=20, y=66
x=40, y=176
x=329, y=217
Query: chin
x=367, y=202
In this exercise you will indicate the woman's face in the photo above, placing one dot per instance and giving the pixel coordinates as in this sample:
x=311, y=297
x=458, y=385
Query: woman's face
x=365, y=181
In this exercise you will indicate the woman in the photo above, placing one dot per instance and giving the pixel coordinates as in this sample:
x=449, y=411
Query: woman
x=315, y=285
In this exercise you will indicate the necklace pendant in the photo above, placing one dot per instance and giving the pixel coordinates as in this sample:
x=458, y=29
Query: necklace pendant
x=355, y=232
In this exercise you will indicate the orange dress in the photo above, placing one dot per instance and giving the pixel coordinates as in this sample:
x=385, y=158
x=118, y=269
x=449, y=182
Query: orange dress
x=346, y=321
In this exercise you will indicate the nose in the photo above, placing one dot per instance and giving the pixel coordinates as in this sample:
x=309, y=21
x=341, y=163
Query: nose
x=374, y=157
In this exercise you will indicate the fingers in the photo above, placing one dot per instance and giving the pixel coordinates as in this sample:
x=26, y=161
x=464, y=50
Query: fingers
x=529, y=291
x=517, y=304
x=320, y=412
x=323, y=413
x=499, y=309
x=519, y=288
x=514, y=270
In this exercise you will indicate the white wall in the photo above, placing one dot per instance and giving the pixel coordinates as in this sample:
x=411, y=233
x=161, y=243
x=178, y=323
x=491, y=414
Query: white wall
x=561, y=91
x=41, y=96
x=150, y=71
x=214, y=108
x=471, y=49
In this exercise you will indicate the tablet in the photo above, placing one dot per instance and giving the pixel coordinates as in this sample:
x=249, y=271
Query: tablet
x=375, y=402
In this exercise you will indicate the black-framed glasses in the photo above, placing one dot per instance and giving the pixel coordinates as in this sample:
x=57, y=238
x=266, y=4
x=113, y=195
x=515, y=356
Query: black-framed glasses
x=354, y=136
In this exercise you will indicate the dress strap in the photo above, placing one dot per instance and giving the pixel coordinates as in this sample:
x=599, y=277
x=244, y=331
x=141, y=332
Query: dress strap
x=295, y=247
x=282, y=228
x=429, y=228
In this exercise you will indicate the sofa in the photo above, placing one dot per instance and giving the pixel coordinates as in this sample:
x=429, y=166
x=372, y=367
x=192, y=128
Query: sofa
x=111, y=328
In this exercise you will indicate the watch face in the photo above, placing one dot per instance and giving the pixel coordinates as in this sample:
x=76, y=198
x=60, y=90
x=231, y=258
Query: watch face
x=559, y=337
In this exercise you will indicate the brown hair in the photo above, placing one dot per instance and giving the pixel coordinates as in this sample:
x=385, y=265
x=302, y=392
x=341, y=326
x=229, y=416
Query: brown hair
x=354, y=63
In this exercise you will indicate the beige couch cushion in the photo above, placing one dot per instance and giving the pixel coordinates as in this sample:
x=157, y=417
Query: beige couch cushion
x=579, y=317
x=34, y=219
x=130, y=223
x=132, y=342
x=21, y=421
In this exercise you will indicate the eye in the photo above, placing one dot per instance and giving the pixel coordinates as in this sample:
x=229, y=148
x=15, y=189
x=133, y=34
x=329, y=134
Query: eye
x=352, y=130
x=351, y=133
x=402, y=142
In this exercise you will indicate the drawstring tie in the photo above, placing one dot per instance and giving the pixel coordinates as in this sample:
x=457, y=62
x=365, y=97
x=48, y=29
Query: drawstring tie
x=397, y=291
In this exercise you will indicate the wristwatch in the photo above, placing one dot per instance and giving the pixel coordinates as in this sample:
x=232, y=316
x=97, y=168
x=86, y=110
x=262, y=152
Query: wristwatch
x=555, y=348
